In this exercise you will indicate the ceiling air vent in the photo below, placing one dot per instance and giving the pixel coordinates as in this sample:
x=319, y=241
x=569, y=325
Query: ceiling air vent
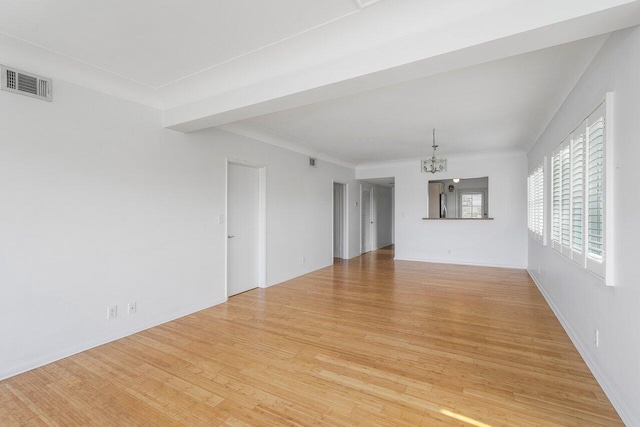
x=24, y=83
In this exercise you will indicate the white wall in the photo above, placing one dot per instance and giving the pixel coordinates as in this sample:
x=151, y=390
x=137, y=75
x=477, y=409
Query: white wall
x=580, y=299
x=501, y=242
x=100, y=205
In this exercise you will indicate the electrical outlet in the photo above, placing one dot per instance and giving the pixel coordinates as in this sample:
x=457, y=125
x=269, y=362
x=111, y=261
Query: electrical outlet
x=596, y=337
x=303, y=260
x=133, y=307
x=449, y=251
x=538, y=271
x=112, y=312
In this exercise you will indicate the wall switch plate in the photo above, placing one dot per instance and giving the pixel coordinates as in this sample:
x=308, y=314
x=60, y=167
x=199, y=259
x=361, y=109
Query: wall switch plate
x=303, y=260
x=220, y=219
x=112, y=312
x=596, y=338
x=133, y=307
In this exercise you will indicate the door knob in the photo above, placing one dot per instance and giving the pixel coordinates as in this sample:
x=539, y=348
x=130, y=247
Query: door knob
x=230, y=237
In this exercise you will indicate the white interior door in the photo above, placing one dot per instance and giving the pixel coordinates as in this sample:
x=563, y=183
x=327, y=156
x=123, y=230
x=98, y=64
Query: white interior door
x=367, y=220
x=242, y=228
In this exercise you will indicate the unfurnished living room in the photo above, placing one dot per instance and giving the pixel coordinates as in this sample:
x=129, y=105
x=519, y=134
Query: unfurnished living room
x=319, y=212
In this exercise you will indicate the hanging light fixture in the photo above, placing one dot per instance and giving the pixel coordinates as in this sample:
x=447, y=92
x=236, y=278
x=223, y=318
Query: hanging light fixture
x=434, y=164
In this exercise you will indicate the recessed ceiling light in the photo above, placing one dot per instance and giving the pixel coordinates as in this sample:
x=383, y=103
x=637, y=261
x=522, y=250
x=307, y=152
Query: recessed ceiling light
x=456, y=180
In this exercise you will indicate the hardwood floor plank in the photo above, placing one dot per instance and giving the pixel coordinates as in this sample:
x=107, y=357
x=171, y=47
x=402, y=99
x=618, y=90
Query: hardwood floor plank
x=368, y=341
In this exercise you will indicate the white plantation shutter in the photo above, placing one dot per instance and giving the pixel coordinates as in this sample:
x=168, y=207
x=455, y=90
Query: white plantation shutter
x=581, y=208
x=556, y=175
x=577, y=192
x=539, y=201
x=565, y=198
x=595, y=185
x=529, y=203
x=536, y=202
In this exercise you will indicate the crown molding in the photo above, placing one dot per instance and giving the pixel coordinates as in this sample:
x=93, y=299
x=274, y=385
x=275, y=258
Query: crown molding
x=415, y=161
x=39, y=60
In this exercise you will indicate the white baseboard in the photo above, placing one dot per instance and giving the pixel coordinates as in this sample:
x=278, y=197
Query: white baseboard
x=384, y=245
x=315, y=268
x=440, y=261
x=625, y=413
x=50, y=358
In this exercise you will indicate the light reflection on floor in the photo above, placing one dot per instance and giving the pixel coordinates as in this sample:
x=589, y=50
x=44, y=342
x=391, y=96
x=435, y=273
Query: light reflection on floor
x=464, y=419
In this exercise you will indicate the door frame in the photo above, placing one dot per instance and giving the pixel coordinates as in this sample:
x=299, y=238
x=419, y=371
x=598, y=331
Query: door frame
x=372, y=209
x=262, y=221
x=344, y=250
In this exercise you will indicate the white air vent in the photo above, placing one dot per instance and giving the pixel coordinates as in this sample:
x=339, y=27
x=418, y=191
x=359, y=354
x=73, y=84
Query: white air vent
x=24, y=83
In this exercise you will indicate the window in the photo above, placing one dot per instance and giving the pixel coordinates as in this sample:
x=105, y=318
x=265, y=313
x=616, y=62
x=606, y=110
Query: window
x=565, y=201
x=577, y=192
x=578, y=200
x=472, y=204
x=535, y=184
x=595, y=191
x=555, y=176
x=561, y=175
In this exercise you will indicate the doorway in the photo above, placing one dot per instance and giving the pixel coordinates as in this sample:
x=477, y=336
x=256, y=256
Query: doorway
x=245, y=227
x=366, y=219
x=339, y=220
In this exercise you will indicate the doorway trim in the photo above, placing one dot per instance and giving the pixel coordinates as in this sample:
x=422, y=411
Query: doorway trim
x=372, y=208
x=262, y=221
x=344, y=249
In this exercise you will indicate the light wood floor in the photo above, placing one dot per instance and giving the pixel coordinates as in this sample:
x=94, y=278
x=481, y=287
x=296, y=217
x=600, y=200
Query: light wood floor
x=365, y=342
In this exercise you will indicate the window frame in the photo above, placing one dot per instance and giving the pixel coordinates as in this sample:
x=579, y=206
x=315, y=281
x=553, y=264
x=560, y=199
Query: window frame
x=471, y=191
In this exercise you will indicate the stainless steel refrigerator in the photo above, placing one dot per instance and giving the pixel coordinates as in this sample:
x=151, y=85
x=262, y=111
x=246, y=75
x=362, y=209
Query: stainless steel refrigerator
x=437, y=200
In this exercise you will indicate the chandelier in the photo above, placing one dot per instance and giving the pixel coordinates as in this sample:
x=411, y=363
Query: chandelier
x=434, y=164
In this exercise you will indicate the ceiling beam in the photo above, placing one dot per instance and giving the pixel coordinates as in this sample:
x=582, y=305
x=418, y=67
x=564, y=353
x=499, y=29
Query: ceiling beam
x=514, y=28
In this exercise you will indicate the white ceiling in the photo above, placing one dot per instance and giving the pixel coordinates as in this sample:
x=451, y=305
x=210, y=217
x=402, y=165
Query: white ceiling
x=156, y=42
x=351, y=81
x=500, y=105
